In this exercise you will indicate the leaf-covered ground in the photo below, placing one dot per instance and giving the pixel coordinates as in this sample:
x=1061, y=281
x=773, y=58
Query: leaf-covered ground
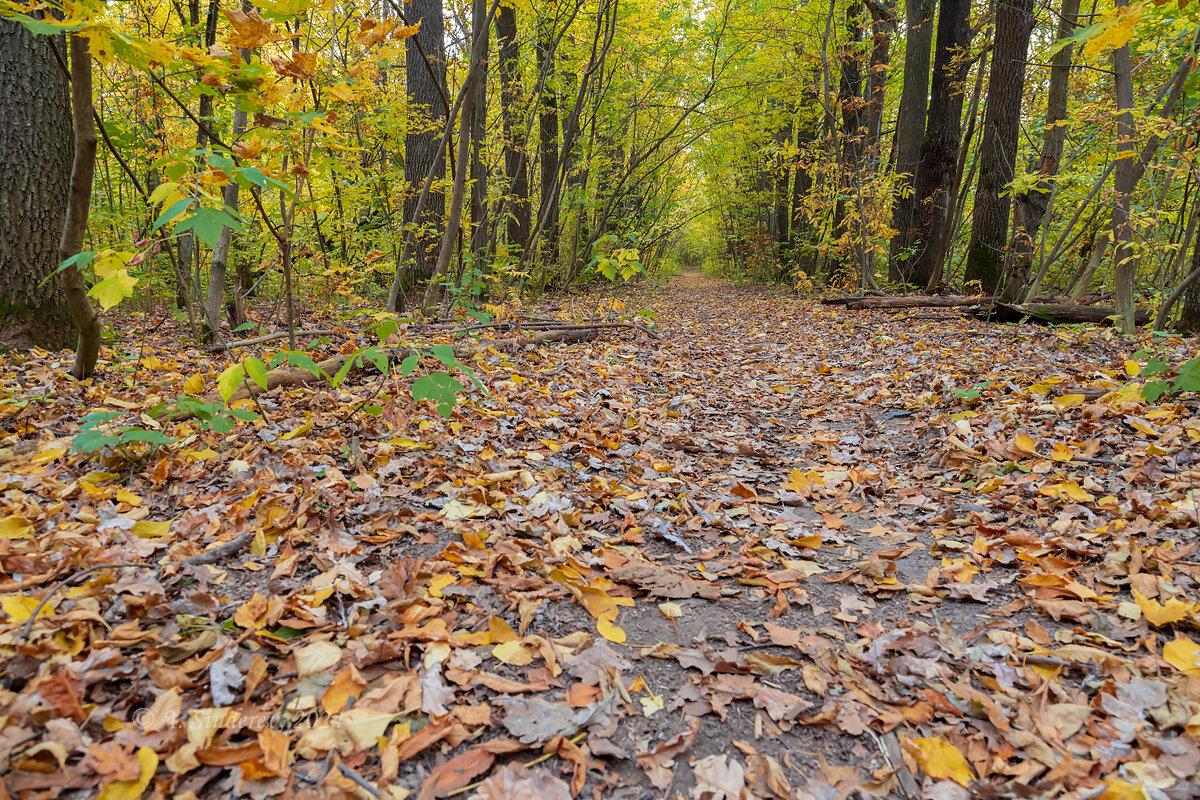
x=786, y=551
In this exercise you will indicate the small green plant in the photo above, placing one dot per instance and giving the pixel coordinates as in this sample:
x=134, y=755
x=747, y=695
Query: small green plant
x=131, y=442
x=1182, y=378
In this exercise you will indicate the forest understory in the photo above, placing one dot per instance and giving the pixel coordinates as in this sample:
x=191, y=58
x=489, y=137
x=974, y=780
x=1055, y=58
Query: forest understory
x=785, y=550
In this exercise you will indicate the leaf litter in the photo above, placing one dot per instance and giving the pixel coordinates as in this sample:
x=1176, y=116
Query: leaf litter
x=785, y=551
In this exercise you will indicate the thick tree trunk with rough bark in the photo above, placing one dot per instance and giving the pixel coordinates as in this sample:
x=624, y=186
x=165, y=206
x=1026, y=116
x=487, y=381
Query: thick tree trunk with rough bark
x=422, y=147
x=910, y=126
x=939, y=149
x=515, y=163
x=36, y=148
x=998, y=146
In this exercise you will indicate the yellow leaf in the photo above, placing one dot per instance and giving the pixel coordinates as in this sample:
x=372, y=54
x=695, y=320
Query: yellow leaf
x=340, y=92
x=20, y=608
x=194, y=385
x=1121, y=790
x=651, y=704
x=131, y=790
x=800, y=482
x=316, y=657
x=405, y=31
x=940, y=759
x=15, y=528
x=1069, y=401
x=671, y=610
x=1174, y=610
x=149, y=528
x=1062, y=452
x=438, y=583
x=513, y=653
x=47, y=456
x=610, y=631
x=249, y=29
x=346, y=684
x=1184, y=655
x=1133, y=368
x=500, y=631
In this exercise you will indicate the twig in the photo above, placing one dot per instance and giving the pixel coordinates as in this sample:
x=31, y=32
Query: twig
x=221, y=348
x=220, y=552
x=54, y=589
x=359, y=779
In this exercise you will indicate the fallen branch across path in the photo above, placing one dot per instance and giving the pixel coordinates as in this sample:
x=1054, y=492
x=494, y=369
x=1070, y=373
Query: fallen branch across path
x=298, y=376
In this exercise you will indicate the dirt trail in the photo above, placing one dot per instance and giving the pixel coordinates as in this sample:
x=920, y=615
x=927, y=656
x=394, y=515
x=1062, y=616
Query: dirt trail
x=787, y=548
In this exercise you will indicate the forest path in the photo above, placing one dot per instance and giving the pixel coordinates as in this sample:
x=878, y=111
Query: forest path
x=787, y=548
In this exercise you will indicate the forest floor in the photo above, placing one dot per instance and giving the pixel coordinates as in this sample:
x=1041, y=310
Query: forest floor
x=787, y=550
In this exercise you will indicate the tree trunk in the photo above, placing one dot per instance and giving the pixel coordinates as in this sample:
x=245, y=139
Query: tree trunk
x=1030, y=208
x=853, y=117
x=1189, y=315
x=517, y=211
x=548, y=140
x=910, y=127
x=83, y=170
x=998, y=145
x=35, y=172
x=220, y=258
x=882, y=20
x=479, y=188
x=1124, y=262
x=422, y=147
x=939, y=149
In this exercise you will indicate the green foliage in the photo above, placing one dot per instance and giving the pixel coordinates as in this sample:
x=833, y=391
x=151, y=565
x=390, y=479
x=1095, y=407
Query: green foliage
x=131, y=442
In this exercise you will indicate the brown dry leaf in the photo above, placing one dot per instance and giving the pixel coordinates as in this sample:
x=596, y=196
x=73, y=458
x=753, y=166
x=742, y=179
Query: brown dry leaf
x=515, y=782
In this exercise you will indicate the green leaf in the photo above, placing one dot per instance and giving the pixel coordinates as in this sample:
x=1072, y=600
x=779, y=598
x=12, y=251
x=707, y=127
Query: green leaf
x=445, y=354
x=302, y=360
x=79, y=260
x=91, y=441
x=376, y=357
x=257, y=371
x=409, y=364
x=207, y=224
x=229, y=380
x=153, y=437
x=171, y=213
x=1154, y=390
x=341, y=374
x=440, y=388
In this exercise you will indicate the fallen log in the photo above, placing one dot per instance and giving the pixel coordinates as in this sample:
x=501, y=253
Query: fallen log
x=918, y=301
x=1050, y=314
x=299, y=376
x=860, y=302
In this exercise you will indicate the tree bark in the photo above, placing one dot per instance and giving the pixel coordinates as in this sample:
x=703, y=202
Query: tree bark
x=1124, y=261
x=998, y=145
x=517, y=211
x=423, y=150
x=83, y=169
x=479, y=189
x=35, y=172
x=1030, y=208
x=1189, y=314
x=548, y=140
x=910, y=126
x=220, y=258
x=939, y=149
